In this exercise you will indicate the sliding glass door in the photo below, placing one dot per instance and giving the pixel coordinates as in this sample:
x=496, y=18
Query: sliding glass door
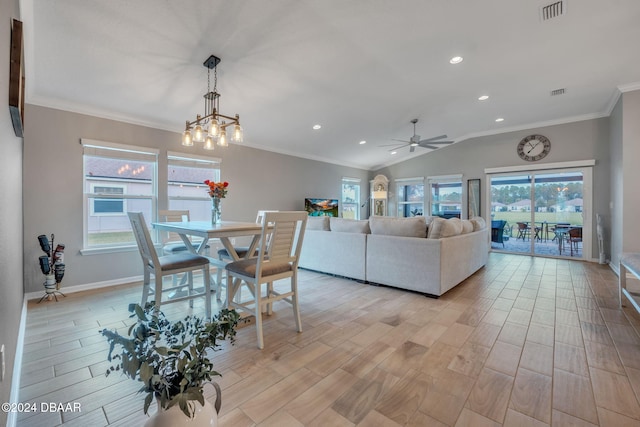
x=541, y=213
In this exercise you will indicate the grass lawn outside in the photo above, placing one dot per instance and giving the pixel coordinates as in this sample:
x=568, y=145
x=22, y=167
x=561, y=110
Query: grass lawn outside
x=111, y=237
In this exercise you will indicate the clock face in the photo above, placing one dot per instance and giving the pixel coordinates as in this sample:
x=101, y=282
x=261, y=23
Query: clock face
x=534, y=147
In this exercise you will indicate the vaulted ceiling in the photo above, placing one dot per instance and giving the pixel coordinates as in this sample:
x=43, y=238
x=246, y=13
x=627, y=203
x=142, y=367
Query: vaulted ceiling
x=361, y=68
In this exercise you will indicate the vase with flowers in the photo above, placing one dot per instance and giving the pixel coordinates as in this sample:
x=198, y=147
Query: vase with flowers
x=217, y=191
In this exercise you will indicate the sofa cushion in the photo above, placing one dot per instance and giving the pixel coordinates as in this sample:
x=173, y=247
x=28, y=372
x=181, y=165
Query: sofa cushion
x=349, y=225
x=318, y=223
x=467, y=226
x=441, y=228
x=478, y=223
x=405, y=227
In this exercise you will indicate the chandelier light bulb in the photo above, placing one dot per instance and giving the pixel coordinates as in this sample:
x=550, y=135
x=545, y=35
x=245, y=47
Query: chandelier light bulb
x=237, y=134
x=198, y=133
x=209, y=144
x=214, y=129
x=186, y=138
x=222, y=140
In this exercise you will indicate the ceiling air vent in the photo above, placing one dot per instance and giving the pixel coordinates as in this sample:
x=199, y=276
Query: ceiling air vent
x=557, y=92
x=553, y=10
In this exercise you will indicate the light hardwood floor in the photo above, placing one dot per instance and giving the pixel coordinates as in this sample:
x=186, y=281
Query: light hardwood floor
x=524, y=342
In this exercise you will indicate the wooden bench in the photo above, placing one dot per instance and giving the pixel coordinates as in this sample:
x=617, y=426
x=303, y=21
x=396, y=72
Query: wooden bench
x=629, y=262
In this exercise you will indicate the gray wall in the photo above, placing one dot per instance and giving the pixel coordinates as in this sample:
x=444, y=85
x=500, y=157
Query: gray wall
x=583, y=140
x=630, y=226
x=617, y=183
x=53, y=187
x=11, y=243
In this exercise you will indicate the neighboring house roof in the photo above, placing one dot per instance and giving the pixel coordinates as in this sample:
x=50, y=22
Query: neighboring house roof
x=136, y=170
x=524, y=202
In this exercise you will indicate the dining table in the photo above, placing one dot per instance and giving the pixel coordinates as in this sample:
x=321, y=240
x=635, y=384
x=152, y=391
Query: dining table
x=224, y=231
x=561, y=232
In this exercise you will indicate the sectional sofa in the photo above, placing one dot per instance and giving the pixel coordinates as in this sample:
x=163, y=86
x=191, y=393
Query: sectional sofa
x=423, y=254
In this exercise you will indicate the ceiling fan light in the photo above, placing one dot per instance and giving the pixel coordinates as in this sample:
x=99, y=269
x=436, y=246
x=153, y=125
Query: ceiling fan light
x=187, y=141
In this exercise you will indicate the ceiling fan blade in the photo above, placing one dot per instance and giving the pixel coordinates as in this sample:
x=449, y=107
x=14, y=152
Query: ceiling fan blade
x=433, y=147
x=438, y=142
x=412, y=148
x=400, y=140
x=397, y=147
x=434, y=138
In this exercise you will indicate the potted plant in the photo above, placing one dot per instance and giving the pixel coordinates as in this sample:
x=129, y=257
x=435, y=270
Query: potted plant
x=170, y=358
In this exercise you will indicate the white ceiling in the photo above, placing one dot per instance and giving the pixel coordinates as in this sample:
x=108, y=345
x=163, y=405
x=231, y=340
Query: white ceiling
x=360, y=68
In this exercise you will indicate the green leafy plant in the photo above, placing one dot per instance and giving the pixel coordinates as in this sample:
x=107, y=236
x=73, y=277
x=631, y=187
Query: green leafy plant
x=169, y=358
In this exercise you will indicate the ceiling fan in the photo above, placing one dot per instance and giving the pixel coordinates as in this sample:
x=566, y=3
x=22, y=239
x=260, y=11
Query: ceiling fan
x=415, y=141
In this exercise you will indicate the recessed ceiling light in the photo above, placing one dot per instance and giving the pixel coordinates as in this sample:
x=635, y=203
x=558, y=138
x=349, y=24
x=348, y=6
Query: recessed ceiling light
x=483, y=98
x=316, y=127
x=456, y=60
x=394, y=152
x=499, y=119
x=363, y=142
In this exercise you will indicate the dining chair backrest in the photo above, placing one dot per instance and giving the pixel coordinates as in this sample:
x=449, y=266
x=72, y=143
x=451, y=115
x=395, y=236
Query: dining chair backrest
x=143, y=238
x=281, y=240
x=172, y=216
x=575, y=233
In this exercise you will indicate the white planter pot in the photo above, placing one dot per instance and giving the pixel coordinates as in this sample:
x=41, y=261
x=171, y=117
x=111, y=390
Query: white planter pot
x=203, y=416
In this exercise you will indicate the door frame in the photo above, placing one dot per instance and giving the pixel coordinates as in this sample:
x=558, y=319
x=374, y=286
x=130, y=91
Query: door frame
x=585, y=167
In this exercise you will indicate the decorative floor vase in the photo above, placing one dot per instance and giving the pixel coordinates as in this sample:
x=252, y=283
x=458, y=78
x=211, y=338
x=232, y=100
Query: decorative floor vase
x=203, y=416
x=216, y=210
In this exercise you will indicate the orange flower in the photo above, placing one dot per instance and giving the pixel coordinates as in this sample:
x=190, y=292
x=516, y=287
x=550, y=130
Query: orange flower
x=217, y=189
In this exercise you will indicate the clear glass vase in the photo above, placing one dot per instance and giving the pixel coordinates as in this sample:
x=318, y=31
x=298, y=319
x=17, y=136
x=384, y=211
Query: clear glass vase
x=216, y=210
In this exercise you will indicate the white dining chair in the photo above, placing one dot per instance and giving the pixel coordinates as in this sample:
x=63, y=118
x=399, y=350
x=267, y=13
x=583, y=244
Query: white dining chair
x=277, y=258
x=167, y=265
x=224, y=257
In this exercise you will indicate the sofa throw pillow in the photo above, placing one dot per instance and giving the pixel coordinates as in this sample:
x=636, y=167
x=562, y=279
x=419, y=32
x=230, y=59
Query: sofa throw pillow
x=404, y=227
x=441, y=228
x=318, y=223
x=467, y=226
x=349, y=225
x=478, y=223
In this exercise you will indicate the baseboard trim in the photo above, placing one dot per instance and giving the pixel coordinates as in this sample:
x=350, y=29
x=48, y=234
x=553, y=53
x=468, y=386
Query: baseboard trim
x=12, y=417
x=89, y=286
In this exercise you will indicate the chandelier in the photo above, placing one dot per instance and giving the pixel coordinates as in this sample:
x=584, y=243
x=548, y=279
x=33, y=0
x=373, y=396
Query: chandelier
x=211, y=129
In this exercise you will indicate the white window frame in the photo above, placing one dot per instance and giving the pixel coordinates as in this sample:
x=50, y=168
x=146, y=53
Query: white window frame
x=404, y=182
x=193, y=160
x=444, y=179
x=121, y=151
x=344, y=204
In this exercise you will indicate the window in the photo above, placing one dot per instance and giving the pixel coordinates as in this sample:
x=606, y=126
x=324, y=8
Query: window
x=185, y=183
x=446, y=196
x=410, y=197
x=107, y=206
x=351, y=198
x=117, y=179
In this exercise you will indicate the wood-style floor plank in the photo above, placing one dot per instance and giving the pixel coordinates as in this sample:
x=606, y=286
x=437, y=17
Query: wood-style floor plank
x=523, y=342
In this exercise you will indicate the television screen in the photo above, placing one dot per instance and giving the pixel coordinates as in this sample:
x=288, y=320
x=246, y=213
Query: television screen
x=321, y=207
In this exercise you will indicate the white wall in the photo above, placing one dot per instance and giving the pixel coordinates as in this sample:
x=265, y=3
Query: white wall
x=11, y=248
x=53, y=187
x=583, y=140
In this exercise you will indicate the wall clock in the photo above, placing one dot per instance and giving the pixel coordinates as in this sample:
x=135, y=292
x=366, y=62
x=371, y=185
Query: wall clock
x=534, y=147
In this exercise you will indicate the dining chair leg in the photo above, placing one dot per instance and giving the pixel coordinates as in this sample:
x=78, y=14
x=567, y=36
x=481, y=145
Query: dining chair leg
x=190, y=279
x=206, y=278
x=145, y=286
x=294, y=302
x=258, y=312
x=269, y=294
